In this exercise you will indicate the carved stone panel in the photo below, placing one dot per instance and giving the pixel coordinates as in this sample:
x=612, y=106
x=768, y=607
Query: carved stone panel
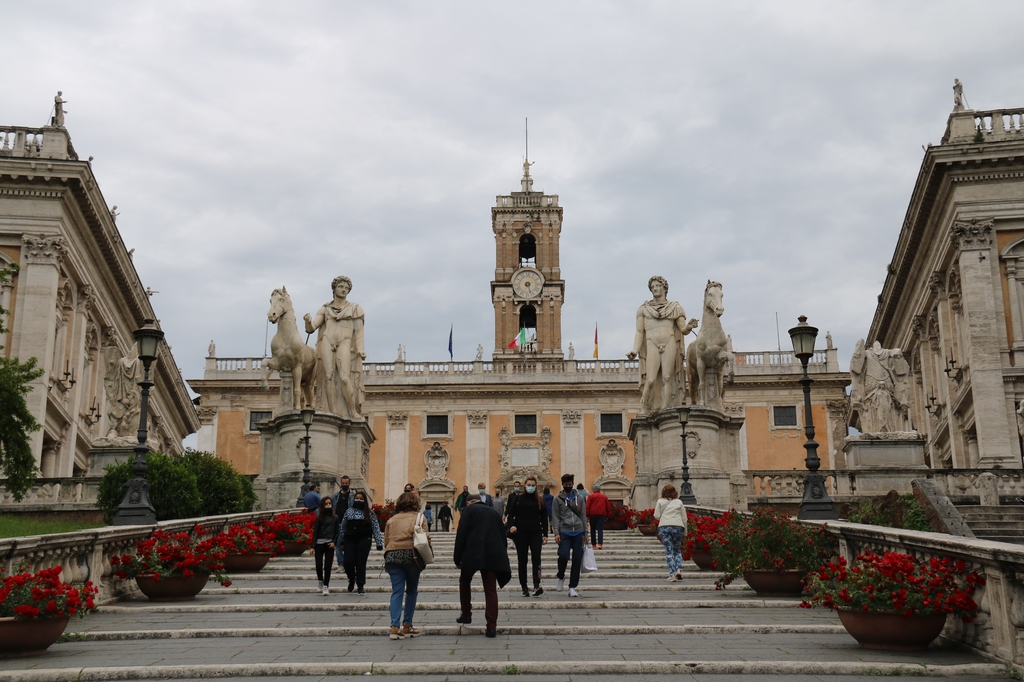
x=398, y=420
x=571, y=417
x=613, y=458
x=43, y=249
x=436, y=459
x=975, y=233
x=477, y=417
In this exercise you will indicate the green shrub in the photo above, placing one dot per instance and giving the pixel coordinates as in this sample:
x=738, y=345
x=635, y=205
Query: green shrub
x=892, y=511
x=173, y=488
x=224, y=490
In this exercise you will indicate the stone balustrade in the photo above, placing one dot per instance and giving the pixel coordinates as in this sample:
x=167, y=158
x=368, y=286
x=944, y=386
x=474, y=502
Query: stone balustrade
x=55, y=494
x=994, y=125
x=85, y=555
x=767, y=486
x=36, y=143
x=383, y=373
x=998, y=631
x=533, y=199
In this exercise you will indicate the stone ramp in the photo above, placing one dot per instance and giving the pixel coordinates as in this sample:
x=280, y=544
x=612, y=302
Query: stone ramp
x=639, y=627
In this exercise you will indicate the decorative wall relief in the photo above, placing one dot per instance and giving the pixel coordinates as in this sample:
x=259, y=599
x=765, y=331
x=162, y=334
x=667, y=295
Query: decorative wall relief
x=613, y=458
x=436, y=460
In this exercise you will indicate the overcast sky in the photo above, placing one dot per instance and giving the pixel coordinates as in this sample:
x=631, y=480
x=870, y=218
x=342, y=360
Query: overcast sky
x=770, y=146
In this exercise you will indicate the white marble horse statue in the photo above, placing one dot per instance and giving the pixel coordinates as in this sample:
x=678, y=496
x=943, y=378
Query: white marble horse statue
x=289, y=352
x=709, y=351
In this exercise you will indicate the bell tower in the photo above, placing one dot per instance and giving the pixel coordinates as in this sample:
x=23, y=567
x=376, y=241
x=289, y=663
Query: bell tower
x=527, y=289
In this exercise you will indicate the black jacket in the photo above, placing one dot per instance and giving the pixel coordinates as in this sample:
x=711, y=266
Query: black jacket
x=325, y=526
x=526, y=516
x=480, y=543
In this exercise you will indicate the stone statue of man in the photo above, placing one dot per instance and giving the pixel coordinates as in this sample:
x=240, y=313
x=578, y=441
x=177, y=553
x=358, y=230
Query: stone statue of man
x=958, y=95
x=660, y=327
x=880, y=390
x=340, y=352
x=58, y=110
x=479, y=351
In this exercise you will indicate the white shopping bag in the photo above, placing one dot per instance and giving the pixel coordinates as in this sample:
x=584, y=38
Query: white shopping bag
x=589, y=561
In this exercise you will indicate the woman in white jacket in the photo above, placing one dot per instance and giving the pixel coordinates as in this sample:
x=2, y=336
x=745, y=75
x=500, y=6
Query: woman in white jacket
x=671, y=515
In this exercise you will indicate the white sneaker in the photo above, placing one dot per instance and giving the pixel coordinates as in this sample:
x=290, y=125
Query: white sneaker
x=326, y=590
x=573, y=593
x=561, y=585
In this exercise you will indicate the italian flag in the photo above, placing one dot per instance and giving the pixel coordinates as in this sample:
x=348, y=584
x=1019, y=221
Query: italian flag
x=519, y=341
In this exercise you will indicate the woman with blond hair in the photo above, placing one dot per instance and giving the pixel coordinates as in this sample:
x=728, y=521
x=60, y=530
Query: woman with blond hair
x=671, y=515
x=402, y=563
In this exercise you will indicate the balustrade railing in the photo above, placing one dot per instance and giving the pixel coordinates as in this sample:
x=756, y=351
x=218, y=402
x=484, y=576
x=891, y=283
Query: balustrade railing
x=998, y=630
x=56, y=493
x=85, y=555
x=18, y=141
x=998, y=124
x=535, y=199
x=788, y=483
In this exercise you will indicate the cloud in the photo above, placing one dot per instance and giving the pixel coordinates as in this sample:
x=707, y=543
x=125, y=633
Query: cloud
x=249, y=145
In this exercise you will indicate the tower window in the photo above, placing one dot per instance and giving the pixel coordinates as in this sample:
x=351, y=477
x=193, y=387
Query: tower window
x=527, y=251
x=611, y=422
x=528, y=318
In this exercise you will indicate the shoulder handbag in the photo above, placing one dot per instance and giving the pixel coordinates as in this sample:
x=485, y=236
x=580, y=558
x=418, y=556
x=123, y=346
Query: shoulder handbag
x=420, y=542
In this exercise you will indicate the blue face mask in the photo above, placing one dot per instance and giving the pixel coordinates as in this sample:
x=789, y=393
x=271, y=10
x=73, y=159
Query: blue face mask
x=531, y=489
x=482, y=491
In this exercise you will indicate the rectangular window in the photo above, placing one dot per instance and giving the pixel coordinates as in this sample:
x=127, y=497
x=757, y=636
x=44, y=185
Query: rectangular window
x=257, y=417
x=611, y=422
x=785, y=415
x=526, y=423
x=437, y=425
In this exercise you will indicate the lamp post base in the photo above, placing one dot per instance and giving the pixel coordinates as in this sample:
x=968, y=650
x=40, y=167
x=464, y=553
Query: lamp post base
x=136, y=509
x=816, y=504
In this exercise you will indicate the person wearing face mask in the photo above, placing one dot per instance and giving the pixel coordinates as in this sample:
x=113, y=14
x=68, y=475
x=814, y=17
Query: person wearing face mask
x=569, y=522
x=357, y=527
x=342, y=501
x=325, y=528
x=517, y=489
x=528, y=528
x=485, y=499
x=444, y=516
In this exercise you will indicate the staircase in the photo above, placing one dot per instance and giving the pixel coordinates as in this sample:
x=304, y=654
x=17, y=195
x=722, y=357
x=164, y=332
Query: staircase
x=1004, y=523
x=628, y=624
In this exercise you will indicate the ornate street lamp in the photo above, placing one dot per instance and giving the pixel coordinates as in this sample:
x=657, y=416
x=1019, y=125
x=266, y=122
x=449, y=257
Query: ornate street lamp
x=816, y=504
x=136, y=508
x=685, y=490
x=307, y=421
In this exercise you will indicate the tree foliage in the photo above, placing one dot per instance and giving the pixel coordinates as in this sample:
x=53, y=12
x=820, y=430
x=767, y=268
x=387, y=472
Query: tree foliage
x=17, y=462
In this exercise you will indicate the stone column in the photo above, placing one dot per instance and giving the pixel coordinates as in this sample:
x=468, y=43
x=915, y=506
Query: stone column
x=572, y=460
x=207, y=437
x=38, y=280
x=977, y=262
x=396, y=448
x=478, y=461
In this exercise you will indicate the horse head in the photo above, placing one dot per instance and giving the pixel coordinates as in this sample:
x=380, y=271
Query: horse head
x=713, y=298
x=280, y=303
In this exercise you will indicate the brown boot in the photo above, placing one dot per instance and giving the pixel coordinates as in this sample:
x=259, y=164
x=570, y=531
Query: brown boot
x=396, y=634
x=409, y=631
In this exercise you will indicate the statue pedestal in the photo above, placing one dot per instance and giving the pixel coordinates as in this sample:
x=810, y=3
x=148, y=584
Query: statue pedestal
x=337, y=447
x=888, y=454
x=105, y=455
x=712, y=449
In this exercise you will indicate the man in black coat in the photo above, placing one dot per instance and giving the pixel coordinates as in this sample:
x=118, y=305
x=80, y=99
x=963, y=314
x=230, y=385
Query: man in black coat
x=480, y=546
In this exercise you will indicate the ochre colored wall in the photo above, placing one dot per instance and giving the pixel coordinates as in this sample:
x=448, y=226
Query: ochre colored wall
x=415, y=470
x=554, y=422
x=377, y=450
x=783, y=448
x=231, y=444
x=457, y=449
x=591, y=452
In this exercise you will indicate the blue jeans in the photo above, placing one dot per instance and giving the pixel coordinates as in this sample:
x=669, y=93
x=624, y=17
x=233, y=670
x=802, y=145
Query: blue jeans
x=404, y=578
x=672, y=538
x=570, y=544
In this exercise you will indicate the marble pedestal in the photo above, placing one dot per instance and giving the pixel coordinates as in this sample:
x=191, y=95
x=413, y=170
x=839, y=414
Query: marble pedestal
x=886, y=454
x=337, y=447
x=102, y=457
x=713, y=452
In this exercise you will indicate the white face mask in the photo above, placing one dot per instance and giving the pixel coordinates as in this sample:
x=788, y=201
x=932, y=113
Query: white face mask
x=531, y=489
x=482, y=491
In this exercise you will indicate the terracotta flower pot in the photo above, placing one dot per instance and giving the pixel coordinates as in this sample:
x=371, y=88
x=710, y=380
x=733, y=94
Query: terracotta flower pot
x=294, y=548
x=702, y=559
x=172, y=588
x=615, y=524
x=649, y=529
x=775, y=584
x=246, y=563
x=30, y=637
x=892, y=631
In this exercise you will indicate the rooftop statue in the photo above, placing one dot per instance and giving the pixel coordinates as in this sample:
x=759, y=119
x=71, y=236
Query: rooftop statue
x=339, y=345
x=660, y=327
x=958, y=95
x=58, y=110
x=880, y=394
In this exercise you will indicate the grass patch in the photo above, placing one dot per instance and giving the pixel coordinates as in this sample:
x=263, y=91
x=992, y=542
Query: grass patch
x=511, y=670
x=13, y=526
